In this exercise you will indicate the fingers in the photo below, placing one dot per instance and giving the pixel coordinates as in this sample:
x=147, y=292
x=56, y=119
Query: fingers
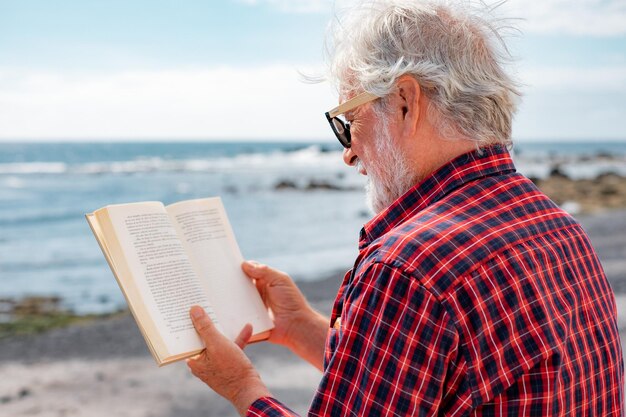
x=203, y=324
x=254, y=269
x=244, y=336
x=196, y=361
x=262, y=272
x=207, y=330
x=192, y=363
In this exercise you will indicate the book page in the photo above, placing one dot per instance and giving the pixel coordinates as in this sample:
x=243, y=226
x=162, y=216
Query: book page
x=210, y=242
x=162, y=272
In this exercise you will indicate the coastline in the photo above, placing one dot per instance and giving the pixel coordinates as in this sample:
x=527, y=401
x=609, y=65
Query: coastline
x=102, y=367
x=311, y=204
x=606, y=192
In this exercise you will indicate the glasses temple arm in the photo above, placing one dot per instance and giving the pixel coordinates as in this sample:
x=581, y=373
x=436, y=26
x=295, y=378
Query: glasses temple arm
x=352, y=103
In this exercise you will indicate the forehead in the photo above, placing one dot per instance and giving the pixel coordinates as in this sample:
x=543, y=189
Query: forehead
x=347, y=88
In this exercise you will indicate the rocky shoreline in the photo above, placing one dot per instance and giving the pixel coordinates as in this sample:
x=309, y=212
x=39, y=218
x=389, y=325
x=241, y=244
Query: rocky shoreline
x=604, y=193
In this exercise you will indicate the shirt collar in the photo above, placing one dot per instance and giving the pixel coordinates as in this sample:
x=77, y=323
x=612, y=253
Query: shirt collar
x=461, y=170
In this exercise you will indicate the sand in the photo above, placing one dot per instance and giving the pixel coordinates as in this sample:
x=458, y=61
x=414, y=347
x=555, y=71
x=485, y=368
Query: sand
x=103, y=368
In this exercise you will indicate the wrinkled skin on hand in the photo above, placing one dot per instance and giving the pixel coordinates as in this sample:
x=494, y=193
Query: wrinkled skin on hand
x=282, y=297
x=296, y=324
x=223, y=365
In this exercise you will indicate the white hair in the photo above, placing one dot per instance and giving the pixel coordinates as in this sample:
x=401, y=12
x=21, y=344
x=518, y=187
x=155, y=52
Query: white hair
x=390, y=175
x=455, y=53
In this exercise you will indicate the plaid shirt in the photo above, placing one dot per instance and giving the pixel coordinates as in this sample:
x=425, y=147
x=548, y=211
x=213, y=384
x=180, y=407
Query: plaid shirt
x=473, y=294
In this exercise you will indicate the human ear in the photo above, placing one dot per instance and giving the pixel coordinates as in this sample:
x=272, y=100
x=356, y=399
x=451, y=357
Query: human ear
x=409, y=92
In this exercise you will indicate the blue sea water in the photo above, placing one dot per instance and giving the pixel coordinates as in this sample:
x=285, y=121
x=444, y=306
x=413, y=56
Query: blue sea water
x=46, y=246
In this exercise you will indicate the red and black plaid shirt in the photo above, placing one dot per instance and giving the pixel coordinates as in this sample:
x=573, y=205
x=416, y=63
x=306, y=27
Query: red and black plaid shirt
x=473, y=294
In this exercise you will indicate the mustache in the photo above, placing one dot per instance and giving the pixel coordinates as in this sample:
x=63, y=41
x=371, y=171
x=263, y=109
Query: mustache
x=358, y=164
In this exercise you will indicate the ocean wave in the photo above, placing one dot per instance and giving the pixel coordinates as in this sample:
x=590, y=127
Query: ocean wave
x=311, y=156
x=14, y=182
x=38, y=219
x=576, y=169
x=16, y=168
x=315, y=157
x=49, y=265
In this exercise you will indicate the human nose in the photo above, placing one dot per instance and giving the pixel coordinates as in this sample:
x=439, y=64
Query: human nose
x=349, y=157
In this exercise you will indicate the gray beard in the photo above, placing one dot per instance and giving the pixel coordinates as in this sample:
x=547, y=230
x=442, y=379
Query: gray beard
x=391, y=176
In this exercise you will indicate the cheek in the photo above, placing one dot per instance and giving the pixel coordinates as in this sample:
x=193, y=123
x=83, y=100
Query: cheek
x=355, y=133
x=360, y=137
x=360, y=125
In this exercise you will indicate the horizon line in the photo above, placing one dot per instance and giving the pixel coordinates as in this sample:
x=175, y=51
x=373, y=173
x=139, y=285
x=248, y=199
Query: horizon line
x=34, y=140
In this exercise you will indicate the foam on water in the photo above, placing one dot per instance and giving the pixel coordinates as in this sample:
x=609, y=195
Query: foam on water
x=533, y=164
x=33, y=168
x=13, y=182
x=312, y=156
x=46, y=247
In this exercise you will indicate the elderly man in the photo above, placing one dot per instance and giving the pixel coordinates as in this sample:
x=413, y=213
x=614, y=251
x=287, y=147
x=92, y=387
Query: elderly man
x=473, y=293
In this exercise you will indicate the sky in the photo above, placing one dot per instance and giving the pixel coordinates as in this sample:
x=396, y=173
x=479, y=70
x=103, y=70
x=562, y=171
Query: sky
x=83, y=70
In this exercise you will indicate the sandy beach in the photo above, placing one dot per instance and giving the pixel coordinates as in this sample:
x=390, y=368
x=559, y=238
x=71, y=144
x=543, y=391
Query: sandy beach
x=103, y=368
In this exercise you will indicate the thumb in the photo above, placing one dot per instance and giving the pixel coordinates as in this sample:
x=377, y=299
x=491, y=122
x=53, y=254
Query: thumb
x=262, y=272
x=244, y=336
x=203, y=324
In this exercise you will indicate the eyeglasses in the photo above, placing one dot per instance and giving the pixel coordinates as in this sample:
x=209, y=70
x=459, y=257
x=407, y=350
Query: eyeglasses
x=342, y=127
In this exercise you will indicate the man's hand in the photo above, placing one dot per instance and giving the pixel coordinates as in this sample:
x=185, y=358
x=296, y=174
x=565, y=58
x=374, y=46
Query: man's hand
x=296, y=325
x=282, y=296
x=223, y=366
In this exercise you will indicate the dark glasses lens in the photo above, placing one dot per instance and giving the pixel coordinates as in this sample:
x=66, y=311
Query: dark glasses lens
x=341, y=130
x=339, y=126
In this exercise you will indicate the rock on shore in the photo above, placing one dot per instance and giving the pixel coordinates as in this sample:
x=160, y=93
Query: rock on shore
x=605, y=192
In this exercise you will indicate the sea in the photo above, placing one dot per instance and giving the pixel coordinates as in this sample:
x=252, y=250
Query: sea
x=294, y=206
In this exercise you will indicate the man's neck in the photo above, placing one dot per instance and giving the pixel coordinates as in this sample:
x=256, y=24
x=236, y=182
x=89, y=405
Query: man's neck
x=431, y=153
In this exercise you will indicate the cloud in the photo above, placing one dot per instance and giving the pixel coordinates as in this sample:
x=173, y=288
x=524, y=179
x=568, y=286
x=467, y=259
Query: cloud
x=606, y=79
x=557, y=115
x=572, y=103
x=577, y=17
x=268, y=102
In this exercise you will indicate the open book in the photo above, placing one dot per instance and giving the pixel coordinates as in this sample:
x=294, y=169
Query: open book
x=167, y=259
